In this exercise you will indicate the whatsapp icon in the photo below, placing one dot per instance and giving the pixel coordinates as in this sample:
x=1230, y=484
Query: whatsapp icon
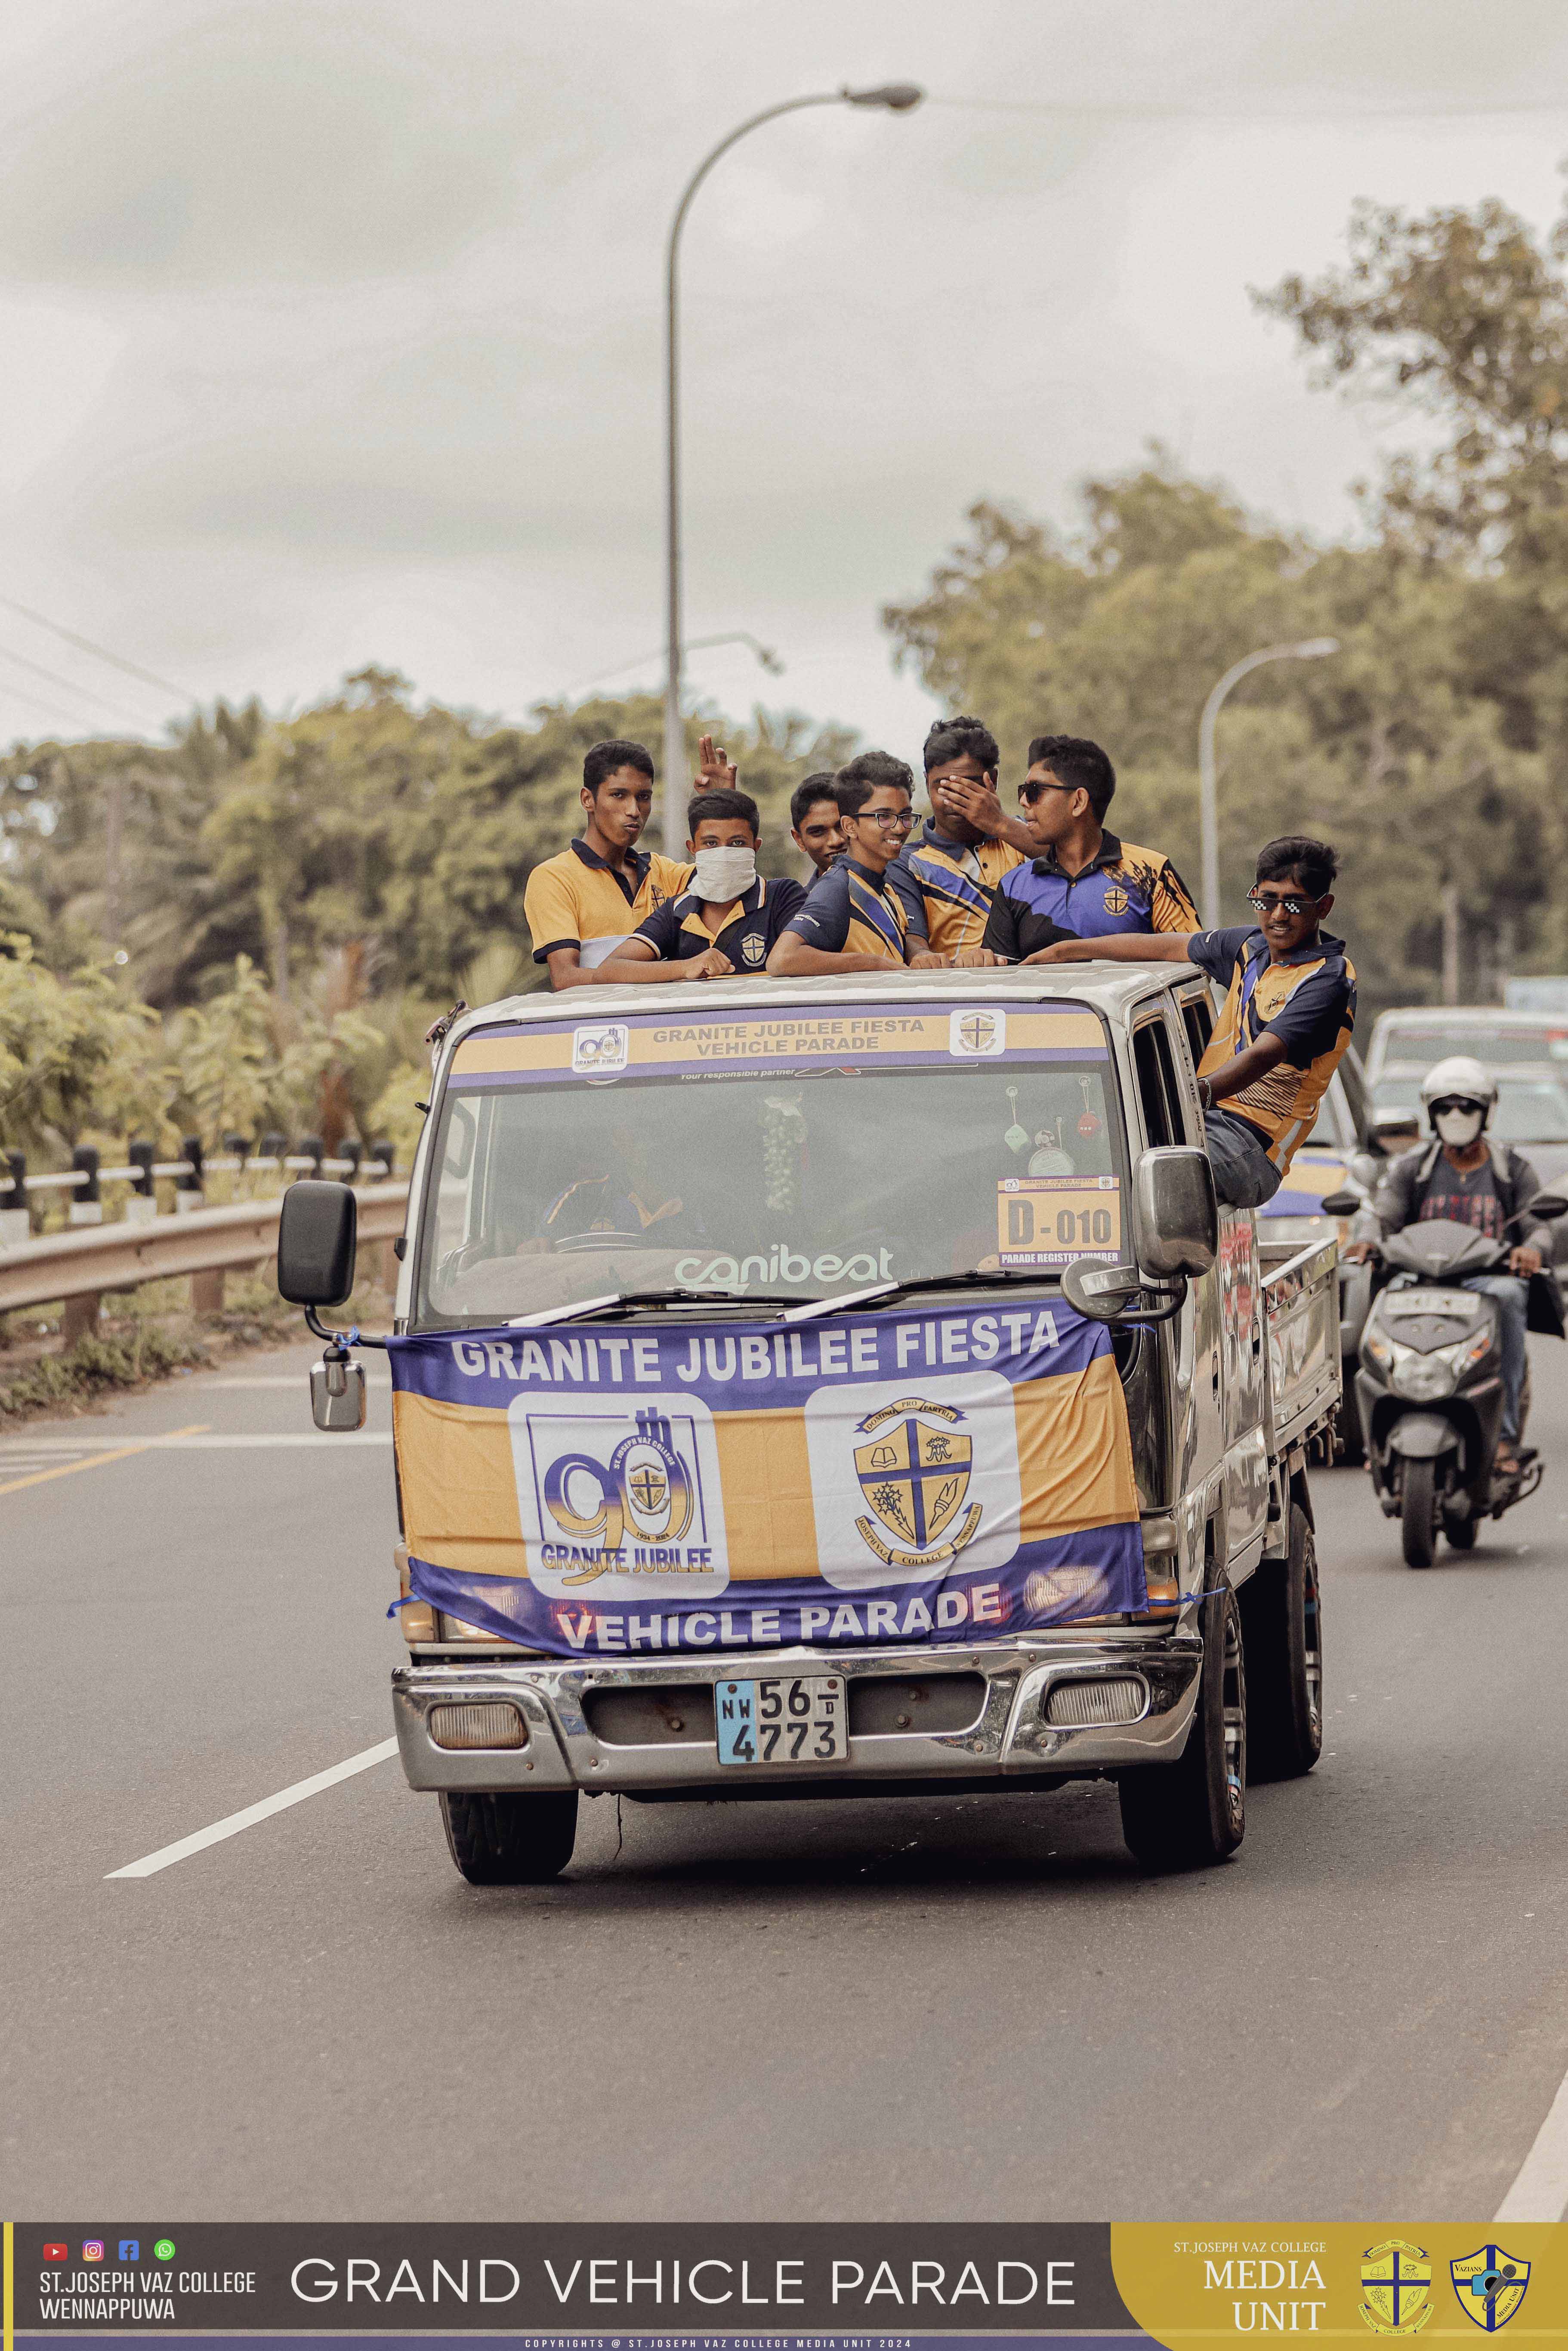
x=164, y=2250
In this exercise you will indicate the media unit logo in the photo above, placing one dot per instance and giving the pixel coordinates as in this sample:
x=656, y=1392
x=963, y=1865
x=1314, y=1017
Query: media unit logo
x=914, y=1477
x=978, y=1033
x=1491, y=2285
x=602, y=1050
x=1395, y=2287
x=620, y=1498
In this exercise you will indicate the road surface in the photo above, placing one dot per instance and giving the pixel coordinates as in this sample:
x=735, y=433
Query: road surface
x=943, y=2009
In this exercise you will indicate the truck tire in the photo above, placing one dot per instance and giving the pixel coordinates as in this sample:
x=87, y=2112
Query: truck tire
x=1282, y=1618
x=1419, y=1513
x=1189, y=1815
x=506, y=1840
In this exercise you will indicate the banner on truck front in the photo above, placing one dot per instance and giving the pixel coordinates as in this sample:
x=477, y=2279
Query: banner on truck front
x=608, y=1488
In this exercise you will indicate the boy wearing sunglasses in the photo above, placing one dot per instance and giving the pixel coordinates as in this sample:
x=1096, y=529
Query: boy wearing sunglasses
x=1287, y=1018
x=1082, y=882
x=852, y=920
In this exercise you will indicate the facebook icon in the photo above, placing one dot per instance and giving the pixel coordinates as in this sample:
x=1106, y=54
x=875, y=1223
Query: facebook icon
x=131, y=2249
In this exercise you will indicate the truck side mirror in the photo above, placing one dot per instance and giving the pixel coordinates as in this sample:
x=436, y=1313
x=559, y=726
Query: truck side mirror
x=1550, y=1205
x=1175, y=1214
x=1099, y=1292
x=1342, y=1204
x=315, y=1238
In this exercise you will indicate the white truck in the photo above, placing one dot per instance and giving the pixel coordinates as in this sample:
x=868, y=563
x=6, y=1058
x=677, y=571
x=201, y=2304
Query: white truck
x=1018, y=1493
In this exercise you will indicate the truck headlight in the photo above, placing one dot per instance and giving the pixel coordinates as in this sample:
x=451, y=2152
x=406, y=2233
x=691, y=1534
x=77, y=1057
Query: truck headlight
x=1421, y=1379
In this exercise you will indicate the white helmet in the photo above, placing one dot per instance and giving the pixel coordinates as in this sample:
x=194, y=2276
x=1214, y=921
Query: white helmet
x=1460, y=1079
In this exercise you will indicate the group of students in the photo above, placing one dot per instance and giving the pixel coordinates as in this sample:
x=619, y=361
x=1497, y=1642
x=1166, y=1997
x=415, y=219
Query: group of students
x=971, y=887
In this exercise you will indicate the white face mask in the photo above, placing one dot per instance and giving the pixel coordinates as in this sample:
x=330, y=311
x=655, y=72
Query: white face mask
x=1459, y=1127
x=724, y=874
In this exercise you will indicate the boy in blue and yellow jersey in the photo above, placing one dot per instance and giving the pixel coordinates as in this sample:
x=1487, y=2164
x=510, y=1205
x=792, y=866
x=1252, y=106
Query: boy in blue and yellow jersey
x=730, y=916
x=851, y=921
x=948, y=875
x=583, y=904
x=1286, y=1021
x=1085, y=883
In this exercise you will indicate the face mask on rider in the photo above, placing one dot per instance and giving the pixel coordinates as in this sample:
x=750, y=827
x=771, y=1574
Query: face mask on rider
x=1459, y=1127
x=724, y=874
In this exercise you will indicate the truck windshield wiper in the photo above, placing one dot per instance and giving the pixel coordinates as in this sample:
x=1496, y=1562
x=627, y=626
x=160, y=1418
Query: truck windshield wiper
x=918, y=1283
x=618, y=1300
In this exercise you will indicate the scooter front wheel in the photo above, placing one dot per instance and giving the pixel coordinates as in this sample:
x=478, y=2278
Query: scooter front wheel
x=1419, y=1513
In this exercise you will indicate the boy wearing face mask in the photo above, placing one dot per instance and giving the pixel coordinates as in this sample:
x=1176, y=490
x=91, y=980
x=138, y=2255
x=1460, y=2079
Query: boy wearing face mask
x=1461, y=1178
x=726, y=920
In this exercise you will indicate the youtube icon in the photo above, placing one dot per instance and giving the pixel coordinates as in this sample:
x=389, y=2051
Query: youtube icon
x=57, y=2252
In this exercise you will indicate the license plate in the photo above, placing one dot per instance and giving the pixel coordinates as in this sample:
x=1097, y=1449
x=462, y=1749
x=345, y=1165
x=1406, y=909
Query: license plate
x=801, y=1720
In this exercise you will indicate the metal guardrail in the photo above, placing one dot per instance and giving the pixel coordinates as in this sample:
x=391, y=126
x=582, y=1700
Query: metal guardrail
x=97, y=1258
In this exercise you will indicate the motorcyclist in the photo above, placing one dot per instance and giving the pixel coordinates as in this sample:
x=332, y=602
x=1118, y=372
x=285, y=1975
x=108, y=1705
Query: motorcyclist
x=1460, y=1177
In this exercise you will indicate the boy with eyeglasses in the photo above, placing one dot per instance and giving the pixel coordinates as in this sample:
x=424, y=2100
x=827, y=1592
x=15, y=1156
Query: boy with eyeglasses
x=1286, y=1021
x=1085, y=883
x=852, y=920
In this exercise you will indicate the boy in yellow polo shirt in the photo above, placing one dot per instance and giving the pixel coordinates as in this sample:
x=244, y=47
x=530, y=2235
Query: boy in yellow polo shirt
x=583, y=904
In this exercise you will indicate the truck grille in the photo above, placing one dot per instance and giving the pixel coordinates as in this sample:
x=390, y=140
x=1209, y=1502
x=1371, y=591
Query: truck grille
x=1072, y=1705
x=880, y=1705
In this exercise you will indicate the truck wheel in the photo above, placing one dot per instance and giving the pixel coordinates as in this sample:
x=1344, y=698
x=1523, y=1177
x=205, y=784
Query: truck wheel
x=505, y=1840
x=1189, y=1815
x=1281, y=1617
x=1419, y=1513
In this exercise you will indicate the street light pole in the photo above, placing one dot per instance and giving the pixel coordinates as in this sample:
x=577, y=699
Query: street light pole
x=1309, y=649
x=896, y=98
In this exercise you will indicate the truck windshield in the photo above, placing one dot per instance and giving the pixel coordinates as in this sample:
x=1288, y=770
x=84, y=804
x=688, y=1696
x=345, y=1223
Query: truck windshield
x=781, y=1154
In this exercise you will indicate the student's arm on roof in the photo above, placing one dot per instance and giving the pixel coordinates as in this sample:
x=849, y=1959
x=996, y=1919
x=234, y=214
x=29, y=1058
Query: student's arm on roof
x=1120, y=946
x=813, y=942
x=652, y=954
x=552, y=915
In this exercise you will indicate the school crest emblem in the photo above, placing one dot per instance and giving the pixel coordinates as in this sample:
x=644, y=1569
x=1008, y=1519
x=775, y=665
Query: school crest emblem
x=753, y=948
x=1395, y=2287
x=1115, y=899
x=1491, y=2285
x=978, y=1033
x=913, y=1476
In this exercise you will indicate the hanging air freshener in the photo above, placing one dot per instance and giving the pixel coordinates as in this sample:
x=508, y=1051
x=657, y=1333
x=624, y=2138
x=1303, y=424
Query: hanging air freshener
x=1016, y=1137
x=1051, y=1159
x=1088, y=1121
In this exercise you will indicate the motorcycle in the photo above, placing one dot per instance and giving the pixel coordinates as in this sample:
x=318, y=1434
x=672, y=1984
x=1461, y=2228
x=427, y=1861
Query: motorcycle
x=1429, y=1390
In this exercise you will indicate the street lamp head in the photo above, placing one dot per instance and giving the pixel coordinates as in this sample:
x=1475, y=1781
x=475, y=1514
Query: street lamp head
x=897, y=97
x=1314, y=648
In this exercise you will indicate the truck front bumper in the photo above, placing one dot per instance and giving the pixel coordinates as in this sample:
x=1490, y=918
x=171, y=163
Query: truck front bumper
x=1042, y=1709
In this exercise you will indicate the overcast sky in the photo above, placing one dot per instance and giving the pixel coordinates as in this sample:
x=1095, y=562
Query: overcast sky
x=333, y=331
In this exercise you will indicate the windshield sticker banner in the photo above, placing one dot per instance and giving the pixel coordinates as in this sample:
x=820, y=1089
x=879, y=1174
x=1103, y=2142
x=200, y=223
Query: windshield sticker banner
x=1051, y=1219
x=610, y=1490
x=853, y=1038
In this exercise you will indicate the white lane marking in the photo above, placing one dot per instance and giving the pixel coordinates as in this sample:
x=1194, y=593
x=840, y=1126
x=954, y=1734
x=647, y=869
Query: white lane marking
x=330, y=1441
x=1541, y=2191
x=184, y=1846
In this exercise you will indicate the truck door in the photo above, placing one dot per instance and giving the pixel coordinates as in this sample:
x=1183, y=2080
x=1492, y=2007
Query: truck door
x=1195, y=1335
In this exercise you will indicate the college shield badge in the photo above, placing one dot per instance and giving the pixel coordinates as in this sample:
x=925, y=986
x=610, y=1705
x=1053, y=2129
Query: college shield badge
x=1395, y=2288
x=1115, y=900
x=914, y=1478
x=1491, y=2286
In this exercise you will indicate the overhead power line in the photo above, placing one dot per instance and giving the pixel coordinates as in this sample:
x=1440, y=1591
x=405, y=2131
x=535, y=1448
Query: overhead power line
x=1161, y=110
x=37, y=702
x=52, y=677
x=101, y=653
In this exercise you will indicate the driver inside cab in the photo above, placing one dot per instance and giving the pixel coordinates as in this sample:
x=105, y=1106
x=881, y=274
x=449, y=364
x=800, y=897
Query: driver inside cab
x=619, y=1191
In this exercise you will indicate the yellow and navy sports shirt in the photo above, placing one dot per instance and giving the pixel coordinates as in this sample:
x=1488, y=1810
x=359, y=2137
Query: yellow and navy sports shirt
x=1308, y=999
x=677, y=930
x=948, y=887
x=1121, y=889
x=576, y=900
x=851, y=911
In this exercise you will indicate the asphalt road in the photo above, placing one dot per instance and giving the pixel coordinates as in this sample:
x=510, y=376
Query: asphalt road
x=975, y=2008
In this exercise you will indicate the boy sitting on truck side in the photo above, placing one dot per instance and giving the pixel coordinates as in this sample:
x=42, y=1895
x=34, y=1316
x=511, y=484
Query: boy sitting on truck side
x=1286, y=1021
x=1084, y=882
x=853, y=920
x=731, y=915
x=581, y=905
